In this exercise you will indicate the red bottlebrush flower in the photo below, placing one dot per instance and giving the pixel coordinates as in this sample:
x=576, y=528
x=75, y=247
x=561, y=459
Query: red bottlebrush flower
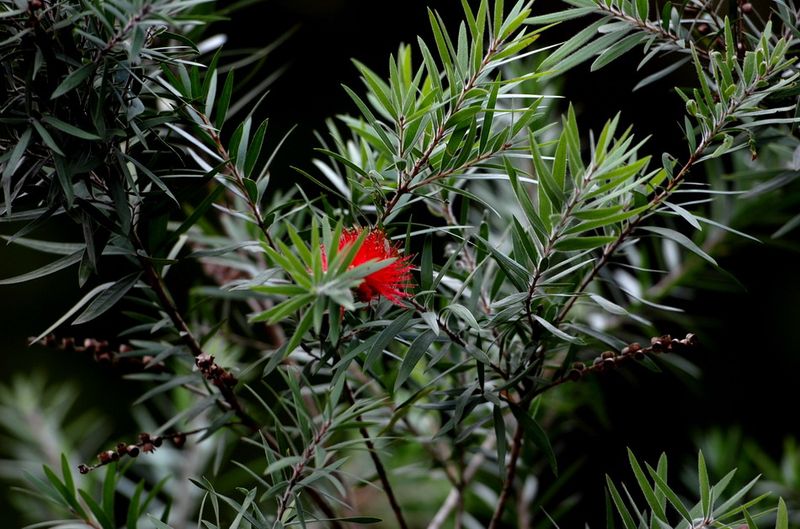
x=389, y=282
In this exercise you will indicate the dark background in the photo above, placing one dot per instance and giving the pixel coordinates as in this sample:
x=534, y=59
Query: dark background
x=748, y=332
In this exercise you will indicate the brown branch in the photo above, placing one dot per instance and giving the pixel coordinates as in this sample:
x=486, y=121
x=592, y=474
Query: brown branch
x=105, y=354
x=609, y=359
x=147, y=444
x=156, y=282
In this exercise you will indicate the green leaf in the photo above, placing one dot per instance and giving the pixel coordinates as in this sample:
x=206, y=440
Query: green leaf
x=535, y=434
x=109, y=490
x=253, y=152
x=47, y=269
x=643, y=9
x=283, y=309
x=673, y=498
x=108, y=298
x=681, y=239
x=158, y=524
x=577, y=48
x=224, y=101
x=559, y=16
x=197, y=213
x=354, y=519
x=68, y=494
x=11, y=165
x=73, y=80
x=647, y=489
x=705, y=486
x=622, y=509
x=464, y=313
x=414, y=354
x=782, y=521
x=47, y=138
x=133, y=508
x=83, y=301
x=385, y=338
x=515, y=272
x=618, y=49
x=66, y=473
x=584, y=243
x=69, y=129
x=751, y=524
x=556, y=331
x=302, y=328
x=102, y=517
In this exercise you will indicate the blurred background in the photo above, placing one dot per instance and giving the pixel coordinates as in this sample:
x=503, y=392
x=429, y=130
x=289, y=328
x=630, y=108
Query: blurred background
x=741, y=408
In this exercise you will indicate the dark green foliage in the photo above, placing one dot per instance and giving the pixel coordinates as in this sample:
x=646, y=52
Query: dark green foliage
x=542, y=248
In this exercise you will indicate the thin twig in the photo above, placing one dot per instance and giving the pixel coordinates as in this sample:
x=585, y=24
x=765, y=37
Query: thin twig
x=146, y=443
x=508, y=482
x=379, y=468
x=610, y=359
x=650, y=27
x=156, y=282
x=419, y=165
x=284, y=502
x=455, y=338
x=660, y=196
x=451, y=502
x=233, y=172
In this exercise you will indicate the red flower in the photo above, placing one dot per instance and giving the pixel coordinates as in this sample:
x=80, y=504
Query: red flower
x=392, y=280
